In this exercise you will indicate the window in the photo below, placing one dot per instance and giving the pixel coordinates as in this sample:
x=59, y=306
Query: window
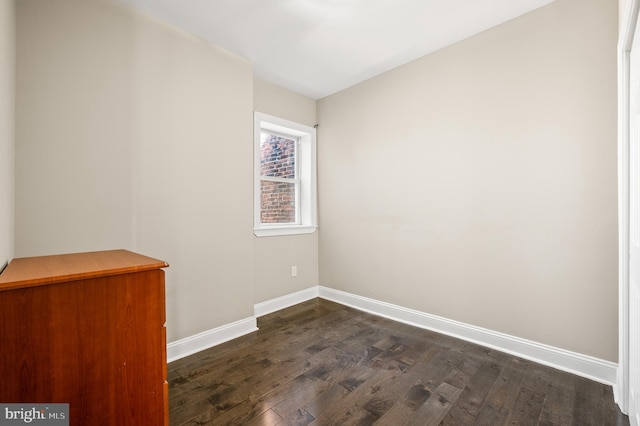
x=284, y=177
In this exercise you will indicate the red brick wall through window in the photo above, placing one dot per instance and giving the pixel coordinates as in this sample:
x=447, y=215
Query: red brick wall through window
x=277, y=160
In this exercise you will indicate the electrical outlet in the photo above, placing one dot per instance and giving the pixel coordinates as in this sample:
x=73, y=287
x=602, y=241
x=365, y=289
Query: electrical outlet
x=294, y=271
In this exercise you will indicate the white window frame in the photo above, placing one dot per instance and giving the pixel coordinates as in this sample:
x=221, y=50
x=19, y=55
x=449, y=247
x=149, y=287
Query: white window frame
x=306, y=189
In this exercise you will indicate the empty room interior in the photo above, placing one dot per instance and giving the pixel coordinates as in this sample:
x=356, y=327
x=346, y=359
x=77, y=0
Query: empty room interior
x=454, y=205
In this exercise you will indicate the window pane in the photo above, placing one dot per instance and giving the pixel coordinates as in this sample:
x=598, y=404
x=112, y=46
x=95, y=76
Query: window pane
x=277, y=204
x=277, y=156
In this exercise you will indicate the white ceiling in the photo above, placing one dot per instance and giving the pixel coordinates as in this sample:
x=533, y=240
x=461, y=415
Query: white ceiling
x=319, y=47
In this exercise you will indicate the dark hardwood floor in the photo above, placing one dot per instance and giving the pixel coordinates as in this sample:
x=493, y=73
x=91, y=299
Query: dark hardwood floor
x=321, y=363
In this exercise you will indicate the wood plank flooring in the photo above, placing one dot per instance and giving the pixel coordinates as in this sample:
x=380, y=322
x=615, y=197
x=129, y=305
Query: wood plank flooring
x=321, y=363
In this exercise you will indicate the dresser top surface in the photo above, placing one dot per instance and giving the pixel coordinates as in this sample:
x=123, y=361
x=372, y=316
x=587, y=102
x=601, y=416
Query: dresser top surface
x=43, y=270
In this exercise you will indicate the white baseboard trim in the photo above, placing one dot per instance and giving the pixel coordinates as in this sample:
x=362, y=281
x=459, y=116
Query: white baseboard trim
x=618, y=393
x=264, y=308
x=583, y=365
x=206, y=339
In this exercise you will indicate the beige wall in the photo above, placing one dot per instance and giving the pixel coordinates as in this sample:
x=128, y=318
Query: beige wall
x=7, y=127
x=274, y=256
x=479, y=183
x=74, y=127
x=193, y=174
x=133, y=134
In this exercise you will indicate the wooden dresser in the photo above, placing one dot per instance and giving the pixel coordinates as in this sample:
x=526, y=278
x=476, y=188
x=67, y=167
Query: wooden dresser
x=86, y=329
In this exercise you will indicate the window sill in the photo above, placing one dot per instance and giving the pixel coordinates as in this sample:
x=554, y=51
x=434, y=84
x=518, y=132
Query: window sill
x=284, y=230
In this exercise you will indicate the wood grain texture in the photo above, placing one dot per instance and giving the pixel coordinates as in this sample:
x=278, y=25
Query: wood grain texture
x=97, y=344
x=42, y=270
x=320, y=363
